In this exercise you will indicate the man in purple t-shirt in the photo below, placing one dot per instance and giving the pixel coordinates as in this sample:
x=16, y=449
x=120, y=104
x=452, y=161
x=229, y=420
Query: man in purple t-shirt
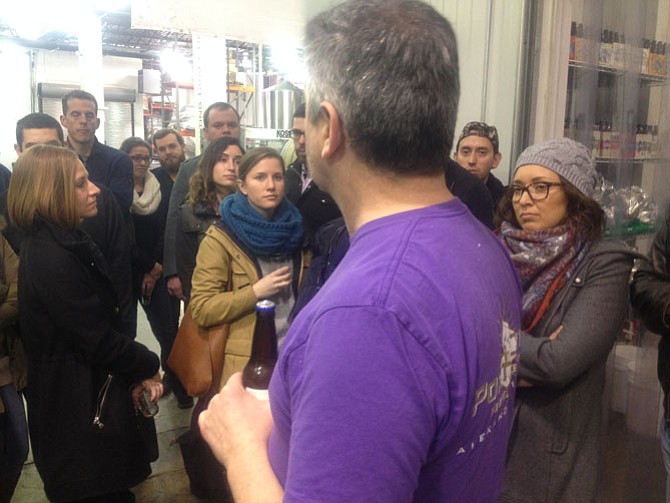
x=396, y=382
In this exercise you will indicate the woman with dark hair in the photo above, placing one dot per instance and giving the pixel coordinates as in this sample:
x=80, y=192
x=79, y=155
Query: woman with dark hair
x=574, y=303
x=148, y=210
x=214, y=179
x=85, y=376
x=253, y=252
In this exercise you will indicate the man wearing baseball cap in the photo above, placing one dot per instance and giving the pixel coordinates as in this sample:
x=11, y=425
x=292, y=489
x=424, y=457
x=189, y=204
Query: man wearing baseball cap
x=477, y=151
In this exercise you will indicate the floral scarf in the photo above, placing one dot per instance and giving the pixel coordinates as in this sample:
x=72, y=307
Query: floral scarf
x=148, y=202
x=264, y=238
x=545, y=260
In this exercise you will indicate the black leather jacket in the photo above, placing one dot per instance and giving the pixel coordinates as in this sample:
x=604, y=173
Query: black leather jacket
x=650, y=296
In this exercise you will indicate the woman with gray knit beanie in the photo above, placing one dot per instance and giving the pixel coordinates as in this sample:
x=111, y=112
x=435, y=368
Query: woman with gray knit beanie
x=574, y=303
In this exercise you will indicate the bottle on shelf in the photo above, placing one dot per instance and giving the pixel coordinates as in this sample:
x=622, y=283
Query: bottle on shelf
x=580, y=43
x=662, y=62
x=617, y=52
x=653, y=142
x=628, y=143
x=615, y=142
x=595, y=149
x=639, y=141
x=646, y=147
x=573, y=35
x=653, y=58
x=605, y=53
x=606, y=140
x=258, y=370
x=644, y=63
x=624, y=52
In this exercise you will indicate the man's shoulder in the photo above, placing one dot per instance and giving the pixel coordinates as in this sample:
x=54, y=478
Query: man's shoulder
x=470, y=189
x=100, y=148
x=190, y=164
x=293, y=171
x=162, y=175
x=493, y=181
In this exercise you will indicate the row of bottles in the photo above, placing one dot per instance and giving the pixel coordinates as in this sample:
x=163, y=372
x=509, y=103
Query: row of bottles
x=610, y=143
x=614, y=52
x=613, y=48
x=653, y=58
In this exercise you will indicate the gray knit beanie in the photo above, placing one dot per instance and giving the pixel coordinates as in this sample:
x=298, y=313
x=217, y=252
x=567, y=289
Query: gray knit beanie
x=565, y=157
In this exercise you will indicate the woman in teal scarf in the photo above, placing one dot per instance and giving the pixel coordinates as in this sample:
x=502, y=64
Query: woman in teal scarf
x=253, y=252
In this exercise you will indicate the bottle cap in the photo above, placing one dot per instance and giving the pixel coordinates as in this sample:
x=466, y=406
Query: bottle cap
x=265, y=306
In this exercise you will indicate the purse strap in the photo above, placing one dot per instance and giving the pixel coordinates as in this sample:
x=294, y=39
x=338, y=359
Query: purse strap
x=217, y=337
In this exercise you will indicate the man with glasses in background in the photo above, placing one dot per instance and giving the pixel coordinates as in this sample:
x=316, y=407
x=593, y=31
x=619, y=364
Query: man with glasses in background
x=315, y=205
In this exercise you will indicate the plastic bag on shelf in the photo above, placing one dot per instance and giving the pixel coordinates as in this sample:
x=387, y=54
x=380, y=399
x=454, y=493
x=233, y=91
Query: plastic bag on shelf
x=629, y=210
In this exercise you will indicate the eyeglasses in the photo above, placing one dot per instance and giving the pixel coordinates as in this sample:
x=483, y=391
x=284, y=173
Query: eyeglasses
x=537, y=191
x=297, y=133
x=141, y=158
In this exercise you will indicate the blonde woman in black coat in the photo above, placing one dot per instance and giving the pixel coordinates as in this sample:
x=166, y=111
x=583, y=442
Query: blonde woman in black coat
x=85, y=376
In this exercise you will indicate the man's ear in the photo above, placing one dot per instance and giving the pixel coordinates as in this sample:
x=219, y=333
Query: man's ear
x=97, y=123
x=62, y=121
x=333, y=129
x=496, y=160
x=17, y=149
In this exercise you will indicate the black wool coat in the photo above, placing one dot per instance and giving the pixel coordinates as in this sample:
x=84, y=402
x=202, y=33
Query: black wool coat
x=70, y=324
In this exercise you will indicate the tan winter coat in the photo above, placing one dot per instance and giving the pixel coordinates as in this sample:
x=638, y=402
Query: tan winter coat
x=213, y=301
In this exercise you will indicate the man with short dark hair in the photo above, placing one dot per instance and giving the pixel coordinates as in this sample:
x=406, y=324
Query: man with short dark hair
x=315, y=205
x=396, y=382
x=477, y=150
x=108, y=228
x=220, y=120
x=105, y=165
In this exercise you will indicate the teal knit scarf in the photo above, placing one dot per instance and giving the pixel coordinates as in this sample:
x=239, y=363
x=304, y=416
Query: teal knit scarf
x=264, y=238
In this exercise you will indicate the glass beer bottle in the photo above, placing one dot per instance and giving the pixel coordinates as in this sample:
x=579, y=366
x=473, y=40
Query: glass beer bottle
x=258, y=370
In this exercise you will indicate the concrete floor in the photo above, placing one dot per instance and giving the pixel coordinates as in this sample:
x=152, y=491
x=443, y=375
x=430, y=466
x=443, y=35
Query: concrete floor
x=168, y=483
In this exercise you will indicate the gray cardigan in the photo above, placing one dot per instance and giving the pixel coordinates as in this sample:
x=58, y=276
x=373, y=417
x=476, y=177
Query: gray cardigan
x=554, y=450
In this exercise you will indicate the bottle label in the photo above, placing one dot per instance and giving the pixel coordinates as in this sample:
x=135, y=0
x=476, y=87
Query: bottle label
x=260, y=394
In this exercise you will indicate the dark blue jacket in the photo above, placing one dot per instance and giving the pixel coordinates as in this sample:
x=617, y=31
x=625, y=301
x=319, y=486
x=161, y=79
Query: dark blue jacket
x=114, y=169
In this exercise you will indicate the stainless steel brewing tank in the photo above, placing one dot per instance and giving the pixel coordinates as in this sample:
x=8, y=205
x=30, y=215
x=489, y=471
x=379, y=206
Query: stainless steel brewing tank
x=279, y=103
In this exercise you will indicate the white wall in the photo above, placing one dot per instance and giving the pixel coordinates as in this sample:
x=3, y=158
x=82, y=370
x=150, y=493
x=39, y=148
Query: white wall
x=16, y=98
x=490, y=38
x=60, y=67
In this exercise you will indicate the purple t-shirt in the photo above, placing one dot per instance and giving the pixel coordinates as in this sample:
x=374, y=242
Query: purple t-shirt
x=395, y=383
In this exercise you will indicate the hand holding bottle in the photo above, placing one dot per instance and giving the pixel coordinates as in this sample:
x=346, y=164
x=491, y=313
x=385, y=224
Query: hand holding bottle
x=236, y=422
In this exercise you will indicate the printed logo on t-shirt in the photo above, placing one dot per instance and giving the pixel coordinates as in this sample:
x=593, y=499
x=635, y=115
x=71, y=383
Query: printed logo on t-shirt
x=493, y=397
